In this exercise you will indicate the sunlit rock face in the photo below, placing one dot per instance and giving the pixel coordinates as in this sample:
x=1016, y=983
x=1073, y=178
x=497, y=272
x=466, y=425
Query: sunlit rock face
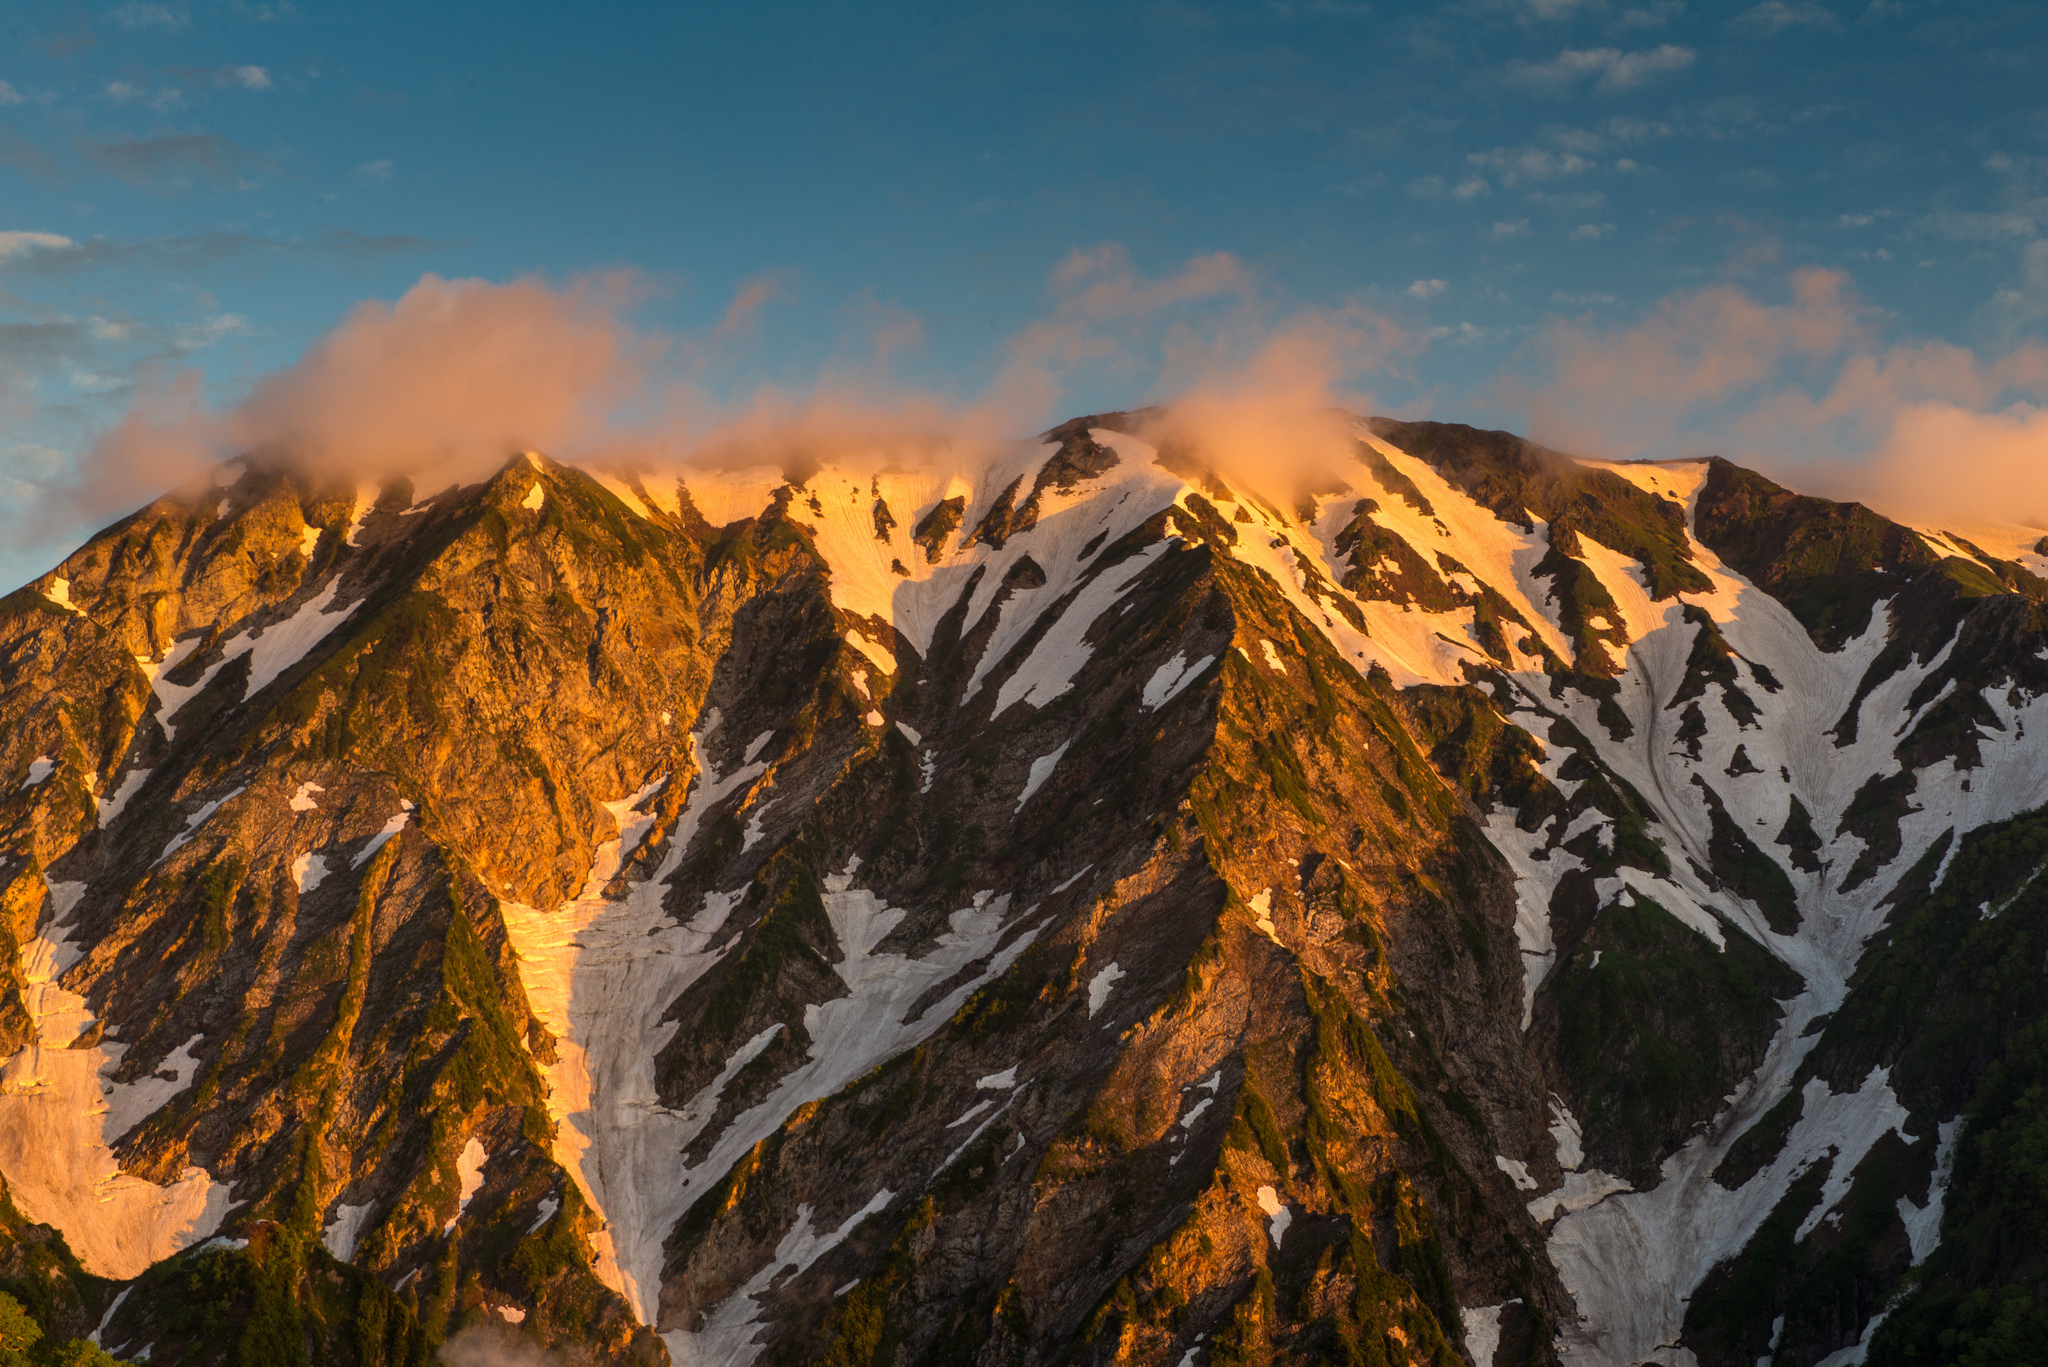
x=1100, y=901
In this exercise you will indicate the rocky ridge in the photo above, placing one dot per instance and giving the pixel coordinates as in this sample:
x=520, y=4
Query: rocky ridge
x=1468, y=905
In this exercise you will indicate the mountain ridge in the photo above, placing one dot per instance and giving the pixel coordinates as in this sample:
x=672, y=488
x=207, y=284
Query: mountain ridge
x=570, y=916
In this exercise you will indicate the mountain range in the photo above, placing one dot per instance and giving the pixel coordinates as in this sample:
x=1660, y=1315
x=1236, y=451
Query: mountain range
x=1098, y=902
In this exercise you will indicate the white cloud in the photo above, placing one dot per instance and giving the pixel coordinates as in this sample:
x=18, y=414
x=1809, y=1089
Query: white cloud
x=251, y=77
x=1465, y=334
x=1775, y=16
x=377, y=170
x=1520, y=165
x=1507, y=228
x=9, y=95
x=1970, y=227
x=1578, y=202
x=1649, y=16
x=19, y=244
x=2026, y=304
x=1426, y=289
x=137, y=15
x=1591, y=232
x=1436, y=187
x=1608, y=68
x=207, y=331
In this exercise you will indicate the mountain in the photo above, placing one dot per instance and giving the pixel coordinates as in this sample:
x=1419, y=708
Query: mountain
x=1105, y=903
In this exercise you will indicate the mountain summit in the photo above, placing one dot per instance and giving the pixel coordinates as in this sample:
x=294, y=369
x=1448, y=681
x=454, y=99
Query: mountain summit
x=1459, y=904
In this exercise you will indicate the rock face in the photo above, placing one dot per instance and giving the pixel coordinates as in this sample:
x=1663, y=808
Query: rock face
x=1470, y=905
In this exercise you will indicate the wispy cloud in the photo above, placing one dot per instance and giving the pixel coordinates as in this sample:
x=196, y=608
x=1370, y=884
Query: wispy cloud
x=1436, y=187
x=1426, y=289
x=1648, y=16
x=1591, y=232
x=1523, y=165
x=22, y=243
x=50, y=254
x=9, y=95
x=139, y=16
x=1509, y=228
x=373, y=172
x=1775, y=16
x=1962, y=226
x=1608, y=68
x=176, y=160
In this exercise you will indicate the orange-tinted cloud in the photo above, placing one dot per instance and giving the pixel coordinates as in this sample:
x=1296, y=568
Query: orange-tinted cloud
x=1800, y=390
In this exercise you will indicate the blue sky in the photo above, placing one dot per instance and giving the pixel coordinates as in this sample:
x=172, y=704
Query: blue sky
x=210, y=184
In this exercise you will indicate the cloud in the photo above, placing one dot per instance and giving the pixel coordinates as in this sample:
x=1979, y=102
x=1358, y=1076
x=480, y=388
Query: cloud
x=1610, y=69
x=746, y=306
x=9, y=95
x=373, y=172
x=1521, y=165
x=1773, y=17
x=251, y=77
x=456, y=374
x=491, y=1347
x=22, y=243
x=1426, y=289
x=53, y=256
x=1509, y=228
x=1650, y=16
x=18, y=154
x=2024, y=305
x=137, y=16
x=454, y=370
x=175, y=160
x=1978, y=227
x=1591, y=232
x=1436, y=187
x=204, y=333
x=1801, y=390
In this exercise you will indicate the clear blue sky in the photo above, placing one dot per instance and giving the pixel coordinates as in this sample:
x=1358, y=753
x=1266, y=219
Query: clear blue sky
x=220, y=180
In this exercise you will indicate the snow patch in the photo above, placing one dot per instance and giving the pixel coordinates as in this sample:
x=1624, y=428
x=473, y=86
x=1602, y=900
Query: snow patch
x=131, y=784
x=1482, y=1331
x=1279, y=1216
x=1564, y=1128
x=57, y=1112
x=1923, y=1223
x=1517, y=1171
x=39, y=768
x=382, y=837
x=727, y=1336
x=469, y=1169
x=193, y=823
x=1099, y=985
x=339, y=1234
x=1049, y=670
x=302, y=800
x=1041, y=770
x=59, y=593
x=309, y=870
x=1176, y=674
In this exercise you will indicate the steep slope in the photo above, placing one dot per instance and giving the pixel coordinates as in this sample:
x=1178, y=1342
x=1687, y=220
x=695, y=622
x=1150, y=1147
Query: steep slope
x=1086, y=907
